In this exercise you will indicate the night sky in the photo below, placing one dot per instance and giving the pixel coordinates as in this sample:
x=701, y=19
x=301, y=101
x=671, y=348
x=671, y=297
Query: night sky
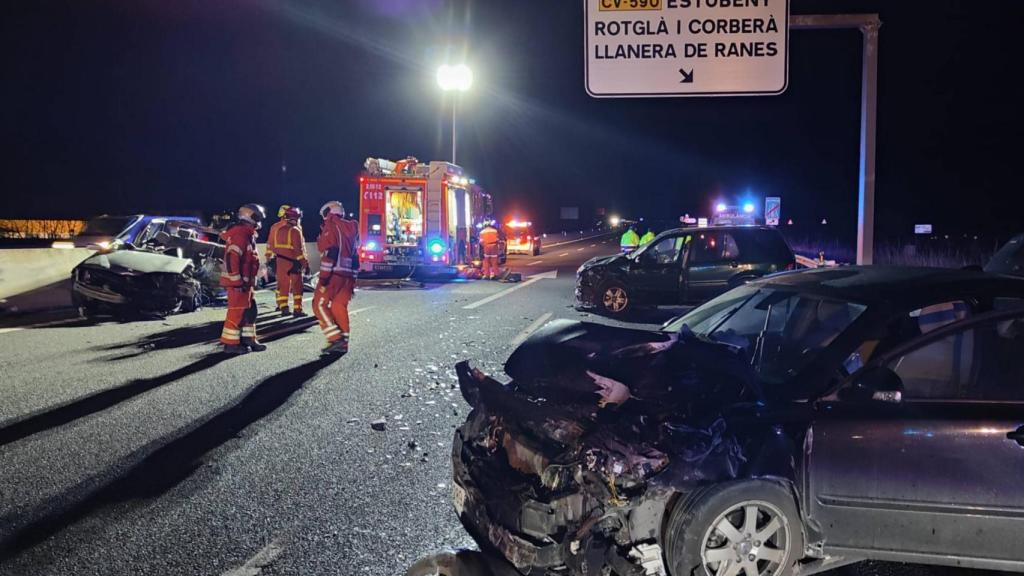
x=124, y=106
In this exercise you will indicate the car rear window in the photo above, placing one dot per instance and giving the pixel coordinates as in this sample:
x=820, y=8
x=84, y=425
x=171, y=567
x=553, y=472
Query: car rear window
x=763, y=246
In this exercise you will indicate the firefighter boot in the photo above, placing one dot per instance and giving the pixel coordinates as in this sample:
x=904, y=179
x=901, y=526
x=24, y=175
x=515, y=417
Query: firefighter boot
x=298, y=313
x=256, y=346
x=339, y=347
x=235, y=349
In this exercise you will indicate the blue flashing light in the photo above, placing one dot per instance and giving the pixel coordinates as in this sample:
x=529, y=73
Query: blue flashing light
x=435, y=247
x=371, y=245
x=721, y=207
x=748, y=207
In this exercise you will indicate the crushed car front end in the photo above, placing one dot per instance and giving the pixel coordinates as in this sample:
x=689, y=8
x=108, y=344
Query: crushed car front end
x=560, y=477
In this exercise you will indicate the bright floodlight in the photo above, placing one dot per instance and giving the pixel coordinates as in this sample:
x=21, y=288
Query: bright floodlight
x=748, y=208
x=614, y=220
x=458, y=77
x=720, y=208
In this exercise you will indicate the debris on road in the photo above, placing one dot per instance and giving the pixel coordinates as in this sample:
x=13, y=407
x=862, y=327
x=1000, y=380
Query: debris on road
x=379, y=425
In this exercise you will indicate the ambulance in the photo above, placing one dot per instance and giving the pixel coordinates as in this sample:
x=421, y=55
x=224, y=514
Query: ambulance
x=520, y=238
x=419, y=216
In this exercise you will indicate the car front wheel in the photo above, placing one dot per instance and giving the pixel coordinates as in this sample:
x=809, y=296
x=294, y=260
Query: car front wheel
x=615, y=298
x=746, y=528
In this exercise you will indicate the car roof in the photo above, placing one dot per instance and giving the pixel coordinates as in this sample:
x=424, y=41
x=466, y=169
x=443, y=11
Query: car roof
x=896, y=285
x=720, y=228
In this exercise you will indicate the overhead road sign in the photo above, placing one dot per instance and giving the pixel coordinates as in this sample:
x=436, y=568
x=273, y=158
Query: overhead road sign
x=772, y=210
x=643, y=48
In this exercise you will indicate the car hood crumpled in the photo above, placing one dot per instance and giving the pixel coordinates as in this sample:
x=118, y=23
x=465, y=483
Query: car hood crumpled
x=137, y=262
x=622, y=402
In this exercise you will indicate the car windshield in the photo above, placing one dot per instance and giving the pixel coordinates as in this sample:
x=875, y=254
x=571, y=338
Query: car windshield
x=779, y=331
x=106, y=226
x=1009, y=259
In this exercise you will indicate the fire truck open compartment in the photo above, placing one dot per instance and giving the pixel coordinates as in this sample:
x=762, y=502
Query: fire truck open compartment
x=404, y=211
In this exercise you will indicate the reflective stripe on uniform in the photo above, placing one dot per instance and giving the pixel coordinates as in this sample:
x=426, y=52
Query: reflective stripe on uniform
x=234, y=248
x=230, y=332
x=325, y=315
x=234, y=277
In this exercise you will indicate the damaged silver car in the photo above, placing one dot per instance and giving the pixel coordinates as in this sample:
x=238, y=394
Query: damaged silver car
x=792, y=425
x=174, y=267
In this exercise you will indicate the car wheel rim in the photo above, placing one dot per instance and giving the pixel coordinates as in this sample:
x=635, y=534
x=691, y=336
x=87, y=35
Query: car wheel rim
x=749, y=539
x=615, y=299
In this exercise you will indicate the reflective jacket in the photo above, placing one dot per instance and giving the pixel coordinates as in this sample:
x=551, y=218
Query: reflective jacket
x=488, y=236
x=285, y=240
x=337, y=246
x=646, y=238
x=629, y=239
x=241, y=264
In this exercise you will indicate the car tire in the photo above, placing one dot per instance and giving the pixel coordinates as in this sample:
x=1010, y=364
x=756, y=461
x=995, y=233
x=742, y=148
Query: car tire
x=614, y=298
x=536, y=250
x=696, y=535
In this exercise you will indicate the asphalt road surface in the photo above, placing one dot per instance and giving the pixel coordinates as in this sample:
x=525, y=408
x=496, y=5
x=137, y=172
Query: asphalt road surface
x=134, y=448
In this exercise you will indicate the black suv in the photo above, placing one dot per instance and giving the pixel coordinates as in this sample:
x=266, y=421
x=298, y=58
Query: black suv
x=685, y=265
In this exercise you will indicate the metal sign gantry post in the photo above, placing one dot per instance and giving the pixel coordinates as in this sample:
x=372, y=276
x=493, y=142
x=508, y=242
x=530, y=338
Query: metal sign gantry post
x=868, y=24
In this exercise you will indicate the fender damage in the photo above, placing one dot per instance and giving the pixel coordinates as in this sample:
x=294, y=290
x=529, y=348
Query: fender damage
x=571, y=467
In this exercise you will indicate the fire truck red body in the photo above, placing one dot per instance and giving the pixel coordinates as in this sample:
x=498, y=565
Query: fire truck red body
x=419, y=215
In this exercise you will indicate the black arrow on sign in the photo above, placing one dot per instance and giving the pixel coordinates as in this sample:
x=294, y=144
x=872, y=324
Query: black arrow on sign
x=687, y=76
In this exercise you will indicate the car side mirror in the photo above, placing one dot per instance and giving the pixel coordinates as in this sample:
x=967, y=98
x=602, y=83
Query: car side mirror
x=875, y=384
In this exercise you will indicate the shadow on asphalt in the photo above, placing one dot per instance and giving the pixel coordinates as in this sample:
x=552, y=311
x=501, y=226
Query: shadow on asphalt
x=165, y=467
x=99, y=401
x=207, y=333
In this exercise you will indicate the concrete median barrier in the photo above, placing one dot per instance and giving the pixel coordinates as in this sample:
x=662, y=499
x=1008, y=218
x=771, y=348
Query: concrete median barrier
x=34, y=279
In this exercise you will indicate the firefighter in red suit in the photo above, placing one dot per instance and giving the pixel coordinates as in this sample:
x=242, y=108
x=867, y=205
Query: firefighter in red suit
x=337, y=244
x=287, y=248
x=241, y=264
x=490, y=239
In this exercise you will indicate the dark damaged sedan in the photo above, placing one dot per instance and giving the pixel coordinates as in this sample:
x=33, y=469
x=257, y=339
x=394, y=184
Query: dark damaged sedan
x=791, y=425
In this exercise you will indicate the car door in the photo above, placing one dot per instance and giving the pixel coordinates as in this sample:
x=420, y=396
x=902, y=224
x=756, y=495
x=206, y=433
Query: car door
x=937, y=474
x=712, y=260
x=656, y=276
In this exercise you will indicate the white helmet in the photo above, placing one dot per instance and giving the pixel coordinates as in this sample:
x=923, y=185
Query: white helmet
x=332, y=207
x=253, y=213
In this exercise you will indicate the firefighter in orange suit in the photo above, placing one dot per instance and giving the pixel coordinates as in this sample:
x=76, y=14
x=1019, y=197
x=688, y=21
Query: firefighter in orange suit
x=241, y=264
x=287, y=247
x=489, y=241
x=337, y=244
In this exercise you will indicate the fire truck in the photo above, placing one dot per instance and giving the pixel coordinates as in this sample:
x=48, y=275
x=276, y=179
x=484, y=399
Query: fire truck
x=416, y=215
x=520, y=238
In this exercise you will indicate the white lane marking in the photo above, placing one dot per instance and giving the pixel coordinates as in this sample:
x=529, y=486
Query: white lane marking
x=522, y=336
x=584, y=239
x=592, y=245
x=579, y=249
x=311, y=319
x=536, y=277
x=563, y=254
x=535, y=263
x=34, y=326
x=253, y=566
